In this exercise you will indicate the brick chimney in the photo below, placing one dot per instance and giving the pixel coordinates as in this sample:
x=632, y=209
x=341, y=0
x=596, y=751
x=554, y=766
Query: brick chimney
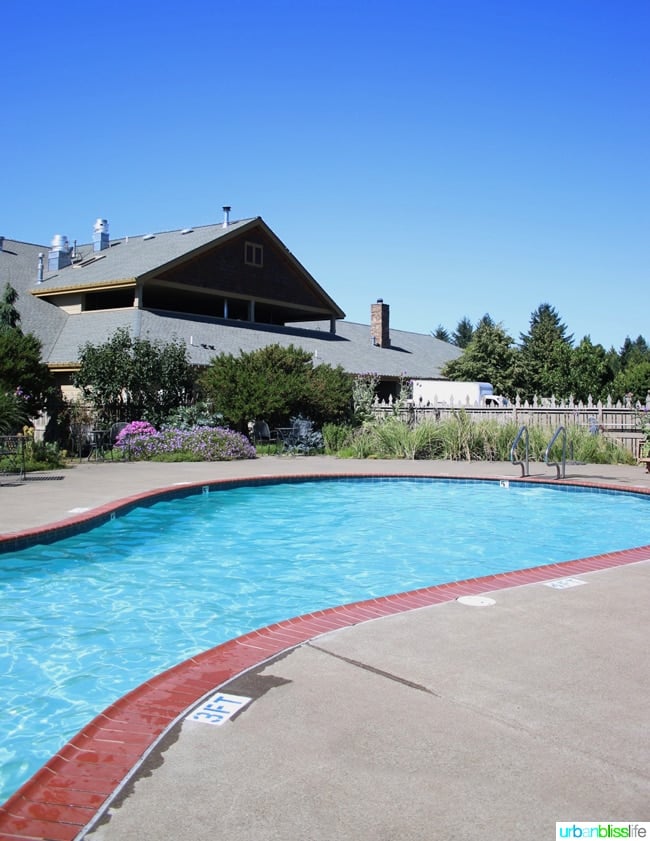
x=379, y=326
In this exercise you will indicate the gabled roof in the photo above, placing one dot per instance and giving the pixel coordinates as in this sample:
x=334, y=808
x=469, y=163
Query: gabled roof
x=140, y=259
x=62, y=334
x=133, y=257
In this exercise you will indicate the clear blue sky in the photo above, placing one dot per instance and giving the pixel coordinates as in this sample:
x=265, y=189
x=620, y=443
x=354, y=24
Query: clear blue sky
x=453, y=157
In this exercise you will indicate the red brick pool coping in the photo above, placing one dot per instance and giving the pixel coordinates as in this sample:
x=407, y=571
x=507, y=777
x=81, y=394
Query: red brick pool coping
x=65, y=795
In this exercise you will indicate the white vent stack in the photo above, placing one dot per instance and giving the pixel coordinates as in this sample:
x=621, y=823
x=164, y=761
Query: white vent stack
x=41, y=258
x=100, y=235
x=226, y=216
x=60, y=254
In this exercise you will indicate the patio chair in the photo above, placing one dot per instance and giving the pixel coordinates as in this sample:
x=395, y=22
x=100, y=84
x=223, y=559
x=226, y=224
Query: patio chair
x=98, y=444
x=113, y=432
x=262, y=433
x=12, y=451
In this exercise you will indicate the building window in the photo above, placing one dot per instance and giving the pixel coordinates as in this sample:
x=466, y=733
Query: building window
x=253, y=254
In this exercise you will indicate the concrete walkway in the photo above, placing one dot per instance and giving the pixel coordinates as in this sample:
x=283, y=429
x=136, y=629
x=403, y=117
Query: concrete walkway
x=447, y=722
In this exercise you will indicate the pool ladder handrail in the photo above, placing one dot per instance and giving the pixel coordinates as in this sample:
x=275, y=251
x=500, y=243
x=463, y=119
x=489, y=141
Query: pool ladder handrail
x=513, y=451
x=560, y=474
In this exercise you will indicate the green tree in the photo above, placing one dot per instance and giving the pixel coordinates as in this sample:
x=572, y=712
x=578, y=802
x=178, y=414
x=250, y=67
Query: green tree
x=489, y=357
x=613, y=362
x=273, y=384
x=134, y=379
x=22, y=371
x=545, y=354
x=441, y=333
x=590, y=371
x=634, y=380
x=9, y=315
x=13, y=415
x=329, y=395
x=463, y=333
x=24, y=378
x=634, y=352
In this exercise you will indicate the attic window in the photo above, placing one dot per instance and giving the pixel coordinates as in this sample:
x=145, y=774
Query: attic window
x=253, y=254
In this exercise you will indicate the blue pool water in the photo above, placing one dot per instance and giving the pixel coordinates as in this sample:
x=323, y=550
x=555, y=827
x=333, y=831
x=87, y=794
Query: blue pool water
x=87, y=618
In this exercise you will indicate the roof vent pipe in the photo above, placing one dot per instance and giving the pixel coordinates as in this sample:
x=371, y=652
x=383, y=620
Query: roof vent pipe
x=226, y=216
x=60, y=254
x=39, y=278
x=100, y=235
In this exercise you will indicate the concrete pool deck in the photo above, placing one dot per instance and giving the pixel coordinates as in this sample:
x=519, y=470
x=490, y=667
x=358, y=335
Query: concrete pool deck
x=435, y=719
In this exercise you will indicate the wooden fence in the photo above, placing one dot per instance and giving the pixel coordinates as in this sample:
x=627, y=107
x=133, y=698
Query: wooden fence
x=617, y=421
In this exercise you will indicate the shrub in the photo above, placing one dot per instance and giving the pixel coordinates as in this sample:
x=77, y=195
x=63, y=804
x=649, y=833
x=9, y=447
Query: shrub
x=128, y=377
x=364, y=389
x=198, y=414
x=305, y=439
x=274, y=382
x=335, y=438
x=202, y=443
x=34, y=455
x=135, y=438
x=135, y=428
x=44, y=455
x=13, y=413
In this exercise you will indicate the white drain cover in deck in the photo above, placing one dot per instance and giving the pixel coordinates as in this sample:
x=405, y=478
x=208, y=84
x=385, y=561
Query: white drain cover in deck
x=476, y=601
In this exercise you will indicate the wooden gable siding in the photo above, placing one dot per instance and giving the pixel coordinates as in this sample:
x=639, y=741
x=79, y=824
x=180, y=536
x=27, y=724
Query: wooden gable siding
x=224, y=271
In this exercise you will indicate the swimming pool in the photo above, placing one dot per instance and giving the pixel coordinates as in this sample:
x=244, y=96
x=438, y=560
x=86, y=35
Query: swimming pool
x=85, y=619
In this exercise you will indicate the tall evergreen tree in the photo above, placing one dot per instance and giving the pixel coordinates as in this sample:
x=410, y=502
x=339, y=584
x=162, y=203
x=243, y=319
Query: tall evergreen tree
x=463, y=333
x=22, y=371
x=23, y=375
x=489, y=357
x=544, y=359
x=591, y=375
x=441, y=333
x=632, y=381
x=9, y=315
x=634, y=352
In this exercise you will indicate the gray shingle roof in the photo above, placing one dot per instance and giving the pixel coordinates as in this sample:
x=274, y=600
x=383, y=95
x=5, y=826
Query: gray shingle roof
x=19, y=268
x=94, y=327
x=412, y=354
x=133, y=257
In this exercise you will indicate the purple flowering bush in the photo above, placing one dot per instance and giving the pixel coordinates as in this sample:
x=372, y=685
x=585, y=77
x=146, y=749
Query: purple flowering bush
x=135, y=428
x=201, y=443
x=134, y=438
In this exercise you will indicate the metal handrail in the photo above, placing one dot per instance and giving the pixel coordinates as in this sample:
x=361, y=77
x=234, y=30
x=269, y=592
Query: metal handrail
x=513, y=451
x=556, y=464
